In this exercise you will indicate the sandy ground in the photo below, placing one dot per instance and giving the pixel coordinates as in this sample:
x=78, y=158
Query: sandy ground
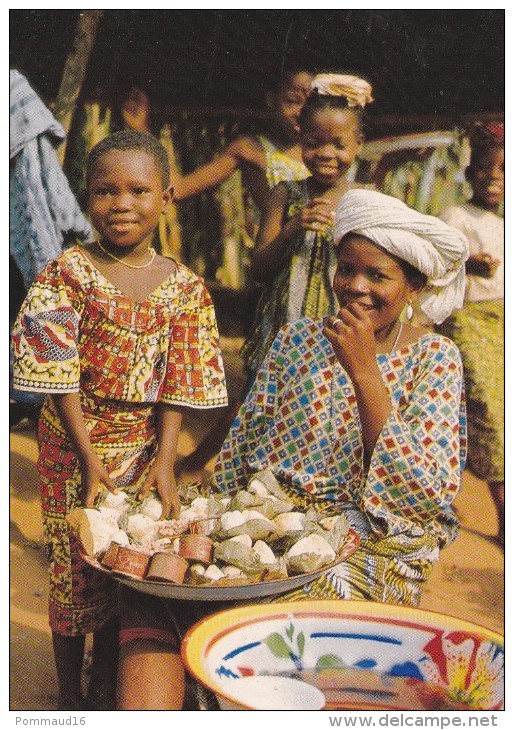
x=468, y=581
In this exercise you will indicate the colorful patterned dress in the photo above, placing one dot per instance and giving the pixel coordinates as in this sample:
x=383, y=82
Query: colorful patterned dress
x=77, y=333
x=279, y=166
x=478, y=330
x=303, y=287
x=301, y=420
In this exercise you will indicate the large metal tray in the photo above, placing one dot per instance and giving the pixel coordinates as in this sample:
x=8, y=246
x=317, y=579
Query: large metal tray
x=235, y=591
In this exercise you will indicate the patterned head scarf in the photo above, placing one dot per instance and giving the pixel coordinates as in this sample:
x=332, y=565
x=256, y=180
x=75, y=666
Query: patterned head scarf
x=431, y=246
x=357, y=91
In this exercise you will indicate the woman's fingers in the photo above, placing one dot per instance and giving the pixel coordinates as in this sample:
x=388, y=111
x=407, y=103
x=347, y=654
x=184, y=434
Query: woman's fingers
x=332, y=335
x=350, y=324
x=317, y=216
x=332, y=323
x=353, y=312
x=315, y=202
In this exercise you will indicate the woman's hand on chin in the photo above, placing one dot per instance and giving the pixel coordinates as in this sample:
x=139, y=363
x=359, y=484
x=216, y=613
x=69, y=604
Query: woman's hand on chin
x=352, y=337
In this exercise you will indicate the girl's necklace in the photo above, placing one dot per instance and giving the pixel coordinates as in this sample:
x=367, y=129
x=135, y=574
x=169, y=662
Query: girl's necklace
x=151, y=251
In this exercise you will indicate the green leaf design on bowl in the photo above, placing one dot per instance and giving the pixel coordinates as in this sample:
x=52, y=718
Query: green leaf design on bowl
x=330, y=661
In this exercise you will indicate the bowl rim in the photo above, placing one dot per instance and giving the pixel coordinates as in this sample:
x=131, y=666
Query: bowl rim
x=203, y=634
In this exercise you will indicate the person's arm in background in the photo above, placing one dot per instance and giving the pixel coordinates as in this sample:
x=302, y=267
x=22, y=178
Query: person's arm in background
x=244, y=150
x=135, y=113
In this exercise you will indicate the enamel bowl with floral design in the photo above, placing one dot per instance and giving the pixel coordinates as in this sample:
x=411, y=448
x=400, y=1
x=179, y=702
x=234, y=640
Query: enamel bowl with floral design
x=361, y=655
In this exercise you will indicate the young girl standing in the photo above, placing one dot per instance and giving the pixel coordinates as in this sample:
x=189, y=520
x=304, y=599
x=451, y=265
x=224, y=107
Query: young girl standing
x=120, y=339
x=294, y=254
x=478, y=328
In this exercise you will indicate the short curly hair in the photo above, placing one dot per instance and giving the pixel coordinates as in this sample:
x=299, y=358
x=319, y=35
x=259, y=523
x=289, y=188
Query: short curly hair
x=130, y=140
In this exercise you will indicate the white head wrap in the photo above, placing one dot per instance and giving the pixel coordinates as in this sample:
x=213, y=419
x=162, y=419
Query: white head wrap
x=431, y=246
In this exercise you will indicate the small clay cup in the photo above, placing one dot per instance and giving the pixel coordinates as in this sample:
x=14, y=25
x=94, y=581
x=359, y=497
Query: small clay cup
x=131, y=563
x=197, y=548
x=167, y=567
x=203, y=527
x=110, y=555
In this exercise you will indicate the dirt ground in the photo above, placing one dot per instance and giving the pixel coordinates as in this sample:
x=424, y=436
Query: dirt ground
x=468, y=581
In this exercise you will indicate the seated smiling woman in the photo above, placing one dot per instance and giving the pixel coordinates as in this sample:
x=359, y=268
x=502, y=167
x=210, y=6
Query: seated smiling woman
x=363, y=412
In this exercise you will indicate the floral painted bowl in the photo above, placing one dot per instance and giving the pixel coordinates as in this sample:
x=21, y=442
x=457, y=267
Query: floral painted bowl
x=362, y=655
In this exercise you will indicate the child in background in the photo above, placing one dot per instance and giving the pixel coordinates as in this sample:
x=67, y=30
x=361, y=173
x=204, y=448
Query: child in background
x=264, y=160
x=120, y=339
x=294, y=254
x=478, y=327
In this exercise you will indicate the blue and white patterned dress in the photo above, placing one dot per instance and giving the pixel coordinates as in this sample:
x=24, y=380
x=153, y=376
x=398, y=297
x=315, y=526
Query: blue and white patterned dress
x=301, y=421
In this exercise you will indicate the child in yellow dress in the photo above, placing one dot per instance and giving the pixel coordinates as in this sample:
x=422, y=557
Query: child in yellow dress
x=294, y=256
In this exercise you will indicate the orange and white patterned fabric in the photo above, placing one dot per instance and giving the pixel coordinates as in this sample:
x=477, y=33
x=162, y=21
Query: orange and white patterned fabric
x=77, y=333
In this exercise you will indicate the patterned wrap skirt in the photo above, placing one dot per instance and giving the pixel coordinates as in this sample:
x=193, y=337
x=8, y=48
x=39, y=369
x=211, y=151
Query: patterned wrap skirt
x=81, y=598
x=384, y=568
x=478, y=330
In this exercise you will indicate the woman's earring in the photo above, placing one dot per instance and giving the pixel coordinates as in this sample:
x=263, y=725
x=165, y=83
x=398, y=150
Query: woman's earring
x=409, y=311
